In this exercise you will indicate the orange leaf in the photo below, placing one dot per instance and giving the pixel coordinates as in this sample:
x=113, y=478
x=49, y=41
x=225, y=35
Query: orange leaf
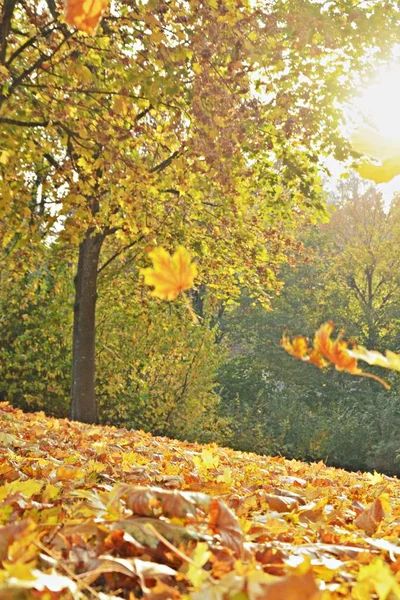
x=170, y=275
x=85, y=14
x=336, y=352
x=298, y=348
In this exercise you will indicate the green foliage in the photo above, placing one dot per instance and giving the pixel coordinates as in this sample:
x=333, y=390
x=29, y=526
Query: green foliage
x=297, y=409
x=35, y=336
x=156, y=367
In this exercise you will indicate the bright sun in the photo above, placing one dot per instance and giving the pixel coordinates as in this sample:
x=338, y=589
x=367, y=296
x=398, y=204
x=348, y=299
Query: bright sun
x=379, y=104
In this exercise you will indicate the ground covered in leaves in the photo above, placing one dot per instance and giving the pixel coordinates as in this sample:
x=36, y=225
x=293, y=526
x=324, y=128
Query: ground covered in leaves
x=106, y=513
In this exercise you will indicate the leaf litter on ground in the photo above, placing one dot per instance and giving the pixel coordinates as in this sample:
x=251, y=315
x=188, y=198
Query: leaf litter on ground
x=106, y=513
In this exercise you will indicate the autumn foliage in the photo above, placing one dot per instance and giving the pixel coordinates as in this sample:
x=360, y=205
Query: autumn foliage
x=99, y=512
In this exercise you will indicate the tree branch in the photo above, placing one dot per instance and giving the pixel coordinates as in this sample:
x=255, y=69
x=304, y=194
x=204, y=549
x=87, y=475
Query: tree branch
x=9, y=121
x=6, y=17
x=44, y=31
x=118, y=253
x=43, y=58
x=165, y=163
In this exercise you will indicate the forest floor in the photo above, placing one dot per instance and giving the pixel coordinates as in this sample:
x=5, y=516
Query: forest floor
x=100, y=512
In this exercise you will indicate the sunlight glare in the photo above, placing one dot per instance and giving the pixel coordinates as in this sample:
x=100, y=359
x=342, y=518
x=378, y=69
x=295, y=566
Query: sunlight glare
x=379, y=104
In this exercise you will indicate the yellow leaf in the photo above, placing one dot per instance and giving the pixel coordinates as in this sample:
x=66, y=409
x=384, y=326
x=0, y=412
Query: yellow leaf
x=25, y=488
x=4, y=156
x=375, y=478
x=209, y=460
x=85, y=14
x=170, y=275
x=226, y=477
x=20, y=571
x=372, y=357
x=195, y=574
x=94, y=466
x=371, y=143
x=376, y=577
x=380, y=173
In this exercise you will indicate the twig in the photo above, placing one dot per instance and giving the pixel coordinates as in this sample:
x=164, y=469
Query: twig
x=70, y=573
x=176, y=550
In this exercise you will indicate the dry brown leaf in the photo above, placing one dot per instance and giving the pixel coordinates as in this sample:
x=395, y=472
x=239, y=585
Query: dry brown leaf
x=370, y=518
x=281, y=504
x=292, y=587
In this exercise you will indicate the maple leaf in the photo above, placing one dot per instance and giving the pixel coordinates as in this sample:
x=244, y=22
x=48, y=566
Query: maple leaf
x=376, y=577
x=337, y=352
x=85, y=14
x=169, y=275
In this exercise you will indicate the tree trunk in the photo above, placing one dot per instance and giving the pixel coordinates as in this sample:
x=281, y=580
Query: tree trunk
x=83, y=401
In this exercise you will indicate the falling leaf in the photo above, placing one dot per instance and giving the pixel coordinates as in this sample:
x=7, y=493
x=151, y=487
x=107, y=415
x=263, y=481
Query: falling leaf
x=380, y=173
x=170, y=275
x=297, y=348
x=337, y=352
x=85, y=14
x=369, y=142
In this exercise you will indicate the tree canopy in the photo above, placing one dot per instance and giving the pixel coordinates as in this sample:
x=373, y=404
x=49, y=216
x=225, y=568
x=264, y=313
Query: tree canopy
x=198, y=123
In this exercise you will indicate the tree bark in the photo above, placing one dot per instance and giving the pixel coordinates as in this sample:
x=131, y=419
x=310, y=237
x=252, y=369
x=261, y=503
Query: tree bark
x=83, y=401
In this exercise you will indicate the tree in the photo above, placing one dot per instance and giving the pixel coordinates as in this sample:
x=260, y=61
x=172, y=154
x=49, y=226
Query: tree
x=364, y=255
x=156, y=367
x=173, y=125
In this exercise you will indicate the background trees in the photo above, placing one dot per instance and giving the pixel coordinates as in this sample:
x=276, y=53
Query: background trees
x=363, y=241
x=297, y=409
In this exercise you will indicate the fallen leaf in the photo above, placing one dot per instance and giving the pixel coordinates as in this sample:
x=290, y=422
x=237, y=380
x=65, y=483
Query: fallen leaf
x=370, y=518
